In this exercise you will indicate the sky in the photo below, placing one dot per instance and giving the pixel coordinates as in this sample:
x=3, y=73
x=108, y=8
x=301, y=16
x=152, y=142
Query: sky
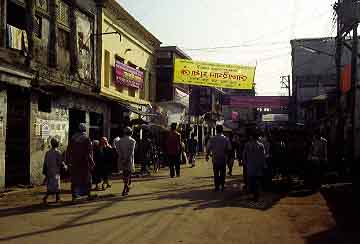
x=254, y=32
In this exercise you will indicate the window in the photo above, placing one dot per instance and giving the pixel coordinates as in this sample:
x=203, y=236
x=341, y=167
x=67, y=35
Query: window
x=64, y=39
x=38, y=26
x=107, y=69
x=131, y=91
x=42, y=5
x=164, y=61
x=16, y=15
x=96, y=119
x=44, y=103
x=16, y=36
x=62, y=13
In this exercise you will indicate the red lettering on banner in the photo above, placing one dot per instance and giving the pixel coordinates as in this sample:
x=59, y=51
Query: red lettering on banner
x=185, y=72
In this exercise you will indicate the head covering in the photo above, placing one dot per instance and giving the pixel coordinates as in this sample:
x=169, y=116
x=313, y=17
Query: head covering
x=104, y=142
x=82, y=127
x=127, y=130
x=95, y=144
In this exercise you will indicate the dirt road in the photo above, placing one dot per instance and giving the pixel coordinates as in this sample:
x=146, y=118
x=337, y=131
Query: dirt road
x=160, y=210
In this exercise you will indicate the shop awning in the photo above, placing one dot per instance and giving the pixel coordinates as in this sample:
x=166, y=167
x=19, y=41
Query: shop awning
x=15, y=77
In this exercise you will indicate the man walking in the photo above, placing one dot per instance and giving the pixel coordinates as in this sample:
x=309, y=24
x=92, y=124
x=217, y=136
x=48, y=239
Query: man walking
x=192, y=149
x=318, y=159
x=219, y=146
x=254, y=159
x=80, y=157
x=173, y=146
x=233, y=153
x=126, y=148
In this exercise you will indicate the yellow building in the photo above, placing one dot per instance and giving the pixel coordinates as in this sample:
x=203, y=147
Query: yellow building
x=128, y=50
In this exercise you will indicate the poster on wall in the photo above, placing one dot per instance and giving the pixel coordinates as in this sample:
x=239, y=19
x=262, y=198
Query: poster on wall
x=128, y=76
x=45, y=130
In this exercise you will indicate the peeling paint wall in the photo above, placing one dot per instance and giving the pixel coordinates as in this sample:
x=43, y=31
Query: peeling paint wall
x=41, y=44
x=84, y=27
x=57, y=122
x=3, y=114
x=63, y=49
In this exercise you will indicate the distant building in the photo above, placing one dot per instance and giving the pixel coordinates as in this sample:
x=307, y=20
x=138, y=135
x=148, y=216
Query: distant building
x=313, y=71
x=128, y=73
x=172, y=99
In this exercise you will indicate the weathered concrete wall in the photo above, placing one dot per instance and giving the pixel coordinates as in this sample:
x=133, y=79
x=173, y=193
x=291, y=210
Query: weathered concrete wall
x=58, y=126
x=85, y=27
x=3, y=114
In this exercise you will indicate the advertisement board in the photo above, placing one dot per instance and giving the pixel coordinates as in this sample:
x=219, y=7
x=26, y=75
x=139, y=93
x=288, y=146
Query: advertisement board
x=257, y=101
x=128, y=76
x=213, y=74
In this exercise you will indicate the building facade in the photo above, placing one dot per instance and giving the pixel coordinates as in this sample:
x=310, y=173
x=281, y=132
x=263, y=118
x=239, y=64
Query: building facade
x=58, y=69
x=313, y=71
x=128, y=74
x=48, y=78
x=172, y=99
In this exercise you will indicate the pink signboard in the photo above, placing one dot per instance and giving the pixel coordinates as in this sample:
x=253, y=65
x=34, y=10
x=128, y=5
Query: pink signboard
x=257, y=101
x=128, y=76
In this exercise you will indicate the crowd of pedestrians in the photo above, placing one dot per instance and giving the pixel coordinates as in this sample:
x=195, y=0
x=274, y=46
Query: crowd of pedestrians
x=262, y=155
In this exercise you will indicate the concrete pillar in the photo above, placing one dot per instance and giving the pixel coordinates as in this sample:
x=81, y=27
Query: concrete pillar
x=52, y=56
x=74, y=54
x=98, y=42
x=30, y=14
x=3, y=117
x=87, y=122
x=3, y=6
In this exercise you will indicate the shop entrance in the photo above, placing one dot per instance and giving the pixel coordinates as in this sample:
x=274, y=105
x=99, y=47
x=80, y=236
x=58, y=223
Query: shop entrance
x=17, y=156
x=76, y=117
x=96, y=126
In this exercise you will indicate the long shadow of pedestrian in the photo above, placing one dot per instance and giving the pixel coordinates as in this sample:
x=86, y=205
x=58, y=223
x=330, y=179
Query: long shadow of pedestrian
x=232, y=197
x=71, y=224
x=38, y=208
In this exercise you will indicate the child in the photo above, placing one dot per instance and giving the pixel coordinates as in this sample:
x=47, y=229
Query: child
x=52, y=168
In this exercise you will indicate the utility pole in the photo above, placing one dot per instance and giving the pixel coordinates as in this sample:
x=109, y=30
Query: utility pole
x=355, y=94
x=339, y=104
x=285, y=84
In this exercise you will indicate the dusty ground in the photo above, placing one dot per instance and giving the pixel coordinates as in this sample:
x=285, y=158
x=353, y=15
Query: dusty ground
x=163, y=210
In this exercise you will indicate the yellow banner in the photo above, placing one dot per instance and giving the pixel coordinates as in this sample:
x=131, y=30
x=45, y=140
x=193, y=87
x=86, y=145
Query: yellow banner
x=212, y=74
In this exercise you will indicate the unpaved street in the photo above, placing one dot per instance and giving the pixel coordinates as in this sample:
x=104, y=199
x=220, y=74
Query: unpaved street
x=163, y=210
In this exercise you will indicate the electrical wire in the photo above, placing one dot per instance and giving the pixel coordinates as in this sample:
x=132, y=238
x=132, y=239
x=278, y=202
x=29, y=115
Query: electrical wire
x=254, y=42
x=234, y=46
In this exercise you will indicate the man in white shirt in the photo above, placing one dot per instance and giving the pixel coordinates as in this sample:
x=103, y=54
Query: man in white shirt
x=219, y=146
x=126, y=148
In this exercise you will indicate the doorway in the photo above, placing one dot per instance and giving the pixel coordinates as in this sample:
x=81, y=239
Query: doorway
x=17, y=156
x=76, y=117
x=96, y=126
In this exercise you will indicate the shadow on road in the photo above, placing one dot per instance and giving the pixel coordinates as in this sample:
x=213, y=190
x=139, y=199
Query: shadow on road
x=37, y=208
x=343, y=205
x=231, y=197
x=200, y=197
x=71, y=224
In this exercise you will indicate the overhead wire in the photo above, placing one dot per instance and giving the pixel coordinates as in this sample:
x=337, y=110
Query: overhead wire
x=250, y=43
